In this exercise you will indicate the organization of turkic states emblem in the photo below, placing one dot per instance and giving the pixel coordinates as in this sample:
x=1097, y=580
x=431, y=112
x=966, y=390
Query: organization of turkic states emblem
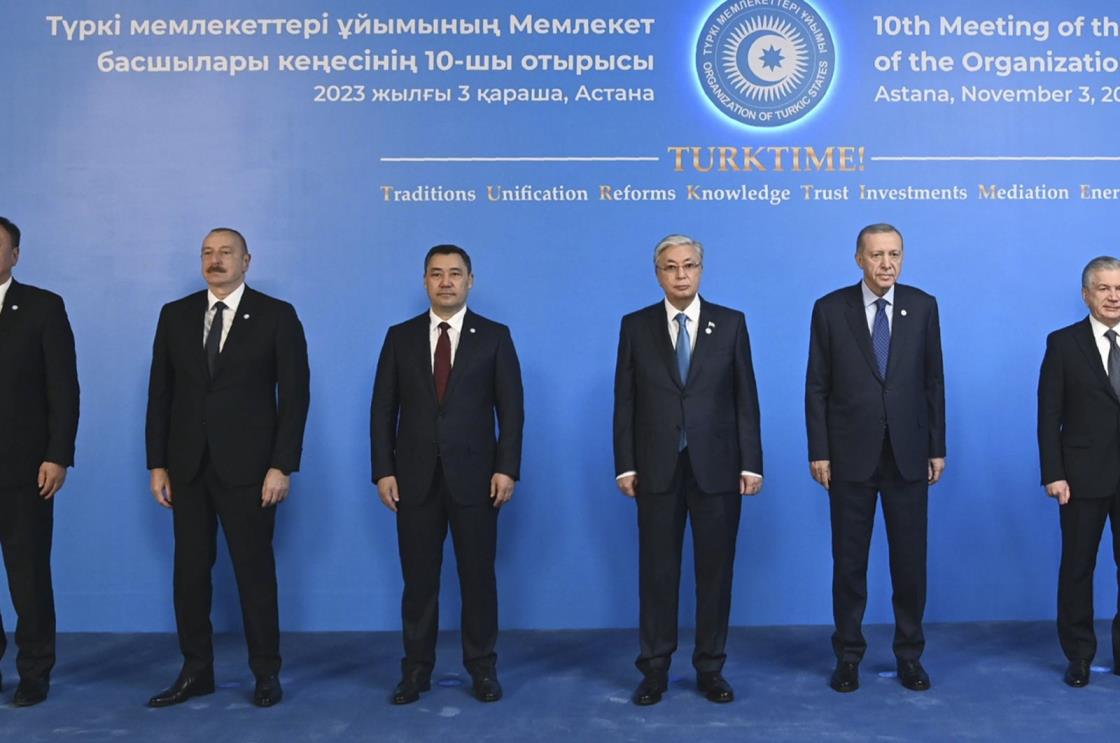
x=765, y=63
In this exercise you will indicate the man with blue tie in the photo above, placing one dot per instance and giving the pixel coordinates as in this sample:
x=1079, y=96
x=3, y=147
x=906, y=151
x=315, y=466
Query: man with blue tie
x=875, y=414
x=687, y=446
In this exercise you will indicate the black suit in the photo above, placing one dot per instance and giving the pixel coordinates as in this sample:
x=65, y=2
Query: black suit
x=443, y=456
x=39, y=414
x=1079, y=442
x=717, y=407
x=879, y=435
x=217, y=436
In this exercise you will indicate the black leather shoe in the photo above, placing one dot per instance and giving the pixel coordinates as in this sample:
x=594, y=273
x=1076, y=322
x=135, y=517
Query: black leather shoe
x=715, y=687
x=186, y=686
x=1077, y=674
x=268, y=691
x=650, y=690
x=912, y=675
x=486, y=687
x=30, y=692
x=845, y=678
x=408, y=690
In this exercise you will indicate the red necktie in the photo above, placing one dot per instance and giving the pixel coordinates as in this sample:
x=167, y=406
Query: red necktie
x=441, y=367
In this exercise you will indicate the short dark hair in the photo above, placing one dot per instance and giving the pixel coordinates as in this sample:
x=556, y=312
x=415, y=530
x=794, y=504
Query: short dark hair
x=10, y=227
x=244, y=244
x=876, y=229
x=447, y=250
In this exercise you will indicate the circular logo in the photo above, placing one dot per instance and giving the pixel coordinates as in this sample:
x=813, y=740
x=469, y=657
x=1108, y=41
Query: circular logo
x=765, y=62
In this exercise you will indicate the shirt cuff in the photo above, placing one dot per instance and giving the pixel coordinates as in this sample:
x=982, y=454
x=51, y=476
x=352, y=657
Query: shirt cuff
x=631, y=473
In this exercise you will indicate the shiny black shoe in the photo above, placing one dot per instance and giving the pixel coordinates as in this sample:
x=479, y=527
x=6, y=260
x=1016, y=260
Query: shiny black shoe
x=486, y=687
x=715, y=687
x=913, y=676
x=268, y=691
x=30, y=692
x=1077, y=674
x=650, y=690
x=186, y=686
x=845, y=678
x=408, y=690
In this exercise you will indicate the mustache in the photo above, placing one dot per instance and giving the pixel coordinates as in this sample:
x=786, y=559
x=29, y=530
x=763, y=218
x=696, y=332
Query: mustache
x=215, y=269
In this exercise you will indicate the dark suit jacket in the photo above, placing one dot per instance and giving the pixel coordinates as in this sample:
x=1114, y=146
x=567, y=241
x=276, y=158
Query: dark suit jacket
x=251, y=415
x=409, y=429
x=848, y=405
x=1078, y=415
x=717, y=404
x=38, y=385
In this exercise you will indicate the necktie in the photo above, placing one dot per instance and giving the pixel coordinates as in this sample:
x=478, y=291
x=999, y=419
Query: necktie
x=684, y=356
x=441, y=366
x=214, y=338
x=881, y=336
x=1113, y=361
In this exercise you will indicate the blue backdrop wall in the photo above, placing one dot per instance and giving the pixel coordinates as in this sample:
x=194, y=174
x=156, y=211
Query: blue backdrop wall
x=115, y=172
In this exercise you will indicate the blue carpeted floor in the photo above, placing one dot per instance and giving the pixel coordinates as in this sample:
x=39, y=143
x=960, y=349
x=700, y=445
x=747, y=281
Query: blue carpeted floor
x=991, y=682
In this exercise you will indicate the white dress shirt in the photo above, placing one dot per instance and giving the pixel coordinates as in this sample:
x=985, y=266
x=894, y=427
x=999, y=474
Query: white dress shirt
x=869, y=298
x=453, y=333
x=4, y=292
x=231, y=302
x=1103, y=344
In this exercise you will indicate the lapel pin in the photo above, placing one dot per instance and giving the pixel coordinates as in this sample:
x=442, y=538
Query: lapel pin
x=904, y=313
x=708, y=330
x=15, y=307
x=472, y=330
x=245, y=316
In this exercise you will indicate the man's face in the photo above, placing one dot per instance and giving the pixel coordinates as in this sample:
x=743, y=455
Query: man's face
x=9, y=255
x=224, y=262
x=678, y=272
x=880, y=257
x=1102, y=296
x=447, y=282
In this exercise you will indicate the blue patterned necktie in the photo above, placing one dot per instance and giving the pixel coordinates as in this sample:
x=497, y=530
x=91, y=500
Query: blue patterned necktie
x=881, y=336
x=684, y=356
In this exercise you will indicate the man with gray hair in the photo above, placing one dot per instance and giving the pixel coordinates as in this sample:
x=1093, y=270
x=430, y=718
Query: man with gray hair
x=1079, y=449
x=687, y=445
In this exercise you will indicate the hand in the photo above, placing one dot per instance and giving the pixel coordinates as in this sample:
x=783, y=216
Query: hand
x=275, y=488
x=51, y=477
x=821, y=470
x=1058, y=489
x=936, y=467
x=161, y=487
x=388, y=493
x=501, y=489
x=628, y=485
x=749, y=484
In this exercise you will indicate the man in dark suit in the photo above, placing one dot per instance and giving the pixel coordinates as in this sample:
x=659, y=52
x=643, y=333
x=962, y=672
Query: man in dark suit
x=875, y=414
x=38, y=423
x=437, y=461
x=687, y=445
x=227, y=403
x=1079, y=449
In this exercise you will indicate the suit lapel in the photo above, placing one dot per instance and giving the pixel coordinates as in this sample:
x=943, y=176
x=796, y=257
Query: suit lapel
x=240, y=325
x=1088, y=344
x=856, y=315
x=464, y=352
x=901, y=327
x=703, y=340
x=659, y=332
x=420, y=351
x=11, y=306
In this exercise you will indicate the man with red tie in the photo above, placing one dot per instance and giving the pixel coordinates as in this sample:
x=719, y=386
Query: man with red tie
x=438, y=462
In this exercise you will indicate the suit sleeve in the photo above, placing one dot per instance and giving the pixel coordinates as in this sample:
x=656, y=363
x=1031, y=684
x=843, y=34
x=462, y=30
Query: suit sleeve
x=935, y=384
x=624, y=387
x=61, y=366
x=818, y=385
x=509, y=404
x=746, y=402
x=161, y=381
x=293, y=391
x=383, y=410
x=1051, y=384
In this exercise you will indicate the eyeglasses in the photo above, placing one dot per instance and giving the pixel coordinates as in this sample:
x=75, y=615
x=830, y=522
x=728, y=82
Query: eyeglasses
x=673, y=268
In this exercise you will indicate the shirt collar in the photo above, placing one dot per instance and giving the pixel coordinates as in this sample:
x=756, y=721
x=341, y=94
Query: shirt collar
x=869, y=296
x=692, y=311
x=1099, y=328
x=231, y=301
x=4, y=289
x=455, y=321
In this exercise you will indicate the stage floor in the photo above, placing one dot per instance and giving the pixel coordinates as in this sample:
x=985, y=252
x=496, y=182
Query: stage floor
x=993, y=681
